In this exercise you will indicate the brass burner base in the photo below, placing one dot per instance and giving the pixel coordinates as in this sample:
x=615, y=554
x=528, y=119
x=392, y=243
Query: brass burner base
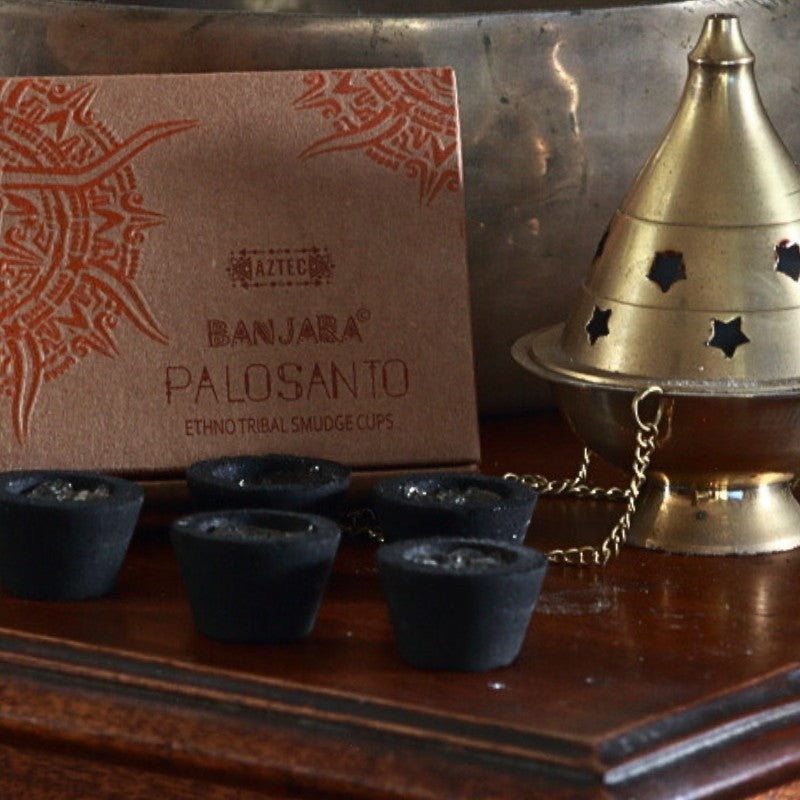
x=719, y=482
x=746, y=518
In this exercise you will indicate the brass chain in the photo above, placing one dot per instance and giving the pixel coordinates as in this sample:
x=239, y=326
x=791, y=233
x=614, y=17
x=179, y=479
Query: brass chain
x=590, y=555
x=570, y=487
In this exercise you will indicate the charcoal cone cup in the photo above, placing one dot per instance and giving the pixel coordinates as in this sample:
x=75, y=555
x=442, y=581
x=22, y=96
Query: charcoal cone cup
x=402, y=517
x=216, y=484
x=468, y=621
x=64, y=550
x=246, y=588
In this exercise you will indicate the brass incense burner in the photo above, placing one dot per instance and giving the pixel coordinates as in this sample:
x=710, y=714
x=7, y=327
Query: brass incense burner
x=695, y=288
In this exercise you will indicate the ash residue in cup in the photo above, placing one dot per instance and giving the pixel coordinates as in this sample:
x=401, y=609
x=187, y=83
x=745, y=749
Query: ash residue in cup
x=63, y=491
x=452, y=496
x=460, y=558
x=310, y=476
x=238, y=530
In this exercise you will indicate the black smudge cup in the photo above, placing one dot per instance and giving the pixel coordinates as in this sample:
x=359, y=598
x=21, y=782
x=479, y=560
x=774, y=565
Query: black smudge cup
x=463, y=504
x=286, y=482
x=64, y=534
x=460, y=604
x=255, y=575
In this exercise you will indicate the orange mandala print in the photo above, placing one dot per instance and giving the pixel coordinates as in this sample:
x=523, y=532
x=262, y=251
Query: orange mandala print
x=72, y=226
x=404, y=119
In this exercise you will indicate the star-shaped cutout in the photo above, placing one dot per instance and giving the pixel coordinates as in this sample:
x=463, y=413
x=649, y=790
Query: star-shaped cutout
x=727, y=336
x=787, y=259
x=667, y=267
x=598, y=324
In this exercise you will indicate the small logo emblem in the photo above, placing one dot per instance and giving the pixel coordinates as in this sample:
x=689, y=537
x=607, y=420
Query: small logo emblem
x=289, y=266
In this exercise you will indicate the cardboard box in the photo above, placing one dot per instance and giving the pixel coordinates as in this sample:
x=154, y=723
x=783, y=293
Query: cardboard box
x=199, y=265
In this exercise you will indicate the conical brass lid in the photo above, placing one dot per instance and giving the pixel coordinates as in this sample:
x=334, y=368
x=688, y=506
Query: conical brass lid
x=695, y=284
x=721, y=162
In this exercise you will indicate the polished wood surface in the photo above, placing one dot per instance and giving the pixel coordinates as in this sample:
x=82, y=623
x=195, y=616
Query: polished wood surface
x=658, y=676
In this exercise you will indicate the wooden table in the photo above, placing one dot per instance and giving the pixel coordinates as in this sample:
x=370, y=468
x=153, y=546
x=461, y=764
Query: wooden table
x=658, y=676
